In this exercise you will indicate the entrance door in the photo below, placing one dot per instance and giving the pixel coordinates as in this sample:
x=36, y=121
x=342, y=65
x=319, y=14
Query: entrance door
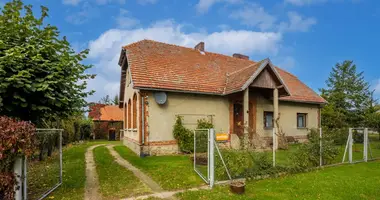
x=238, y=119
x=112, y=134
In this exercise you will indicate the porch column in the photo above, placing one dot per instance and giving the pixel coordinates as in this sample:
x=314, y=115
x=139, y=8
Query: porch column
x=275, y=117
x=246, y=117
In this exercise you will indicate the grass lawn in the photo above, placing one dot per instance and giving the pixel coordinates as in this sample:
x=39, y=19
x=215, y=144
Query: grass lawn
x=357, y=181
x=42, y=175
x=283, y=157
x=116, y=181
x=74, y=175
x=170, y=172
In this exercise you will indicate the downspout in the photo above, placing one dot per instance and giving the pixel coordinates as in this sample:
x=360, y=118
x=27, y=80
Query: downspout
x=142, y=121
x=142, y=153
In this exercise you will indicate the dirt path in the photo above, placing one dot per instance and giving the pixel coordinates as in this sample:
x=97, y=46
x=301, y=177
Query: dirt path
x=139, y=174
x=167, y=194
x=92, y=181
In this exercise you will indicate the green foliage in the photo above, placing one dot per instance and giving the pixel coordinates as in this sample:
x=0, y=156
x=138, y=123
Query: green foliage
x=17, y=139
x=86, y=128
x=204, y=124
x=338, y=135
x=185, y=136
x=348, y=97
x=41, y=76
x=242, y=163
x=308, y=154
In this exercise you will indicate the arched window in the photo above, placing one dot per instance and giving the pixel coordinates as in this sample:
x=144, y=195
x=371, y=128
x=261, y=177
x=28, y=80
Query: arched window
x=134, y=111
x=125, y=115
x=129, y=113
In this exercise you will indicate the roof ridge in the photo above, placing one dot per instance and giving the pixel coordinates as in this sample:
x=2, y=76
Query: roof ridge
x=175, y=45
x=243, y=68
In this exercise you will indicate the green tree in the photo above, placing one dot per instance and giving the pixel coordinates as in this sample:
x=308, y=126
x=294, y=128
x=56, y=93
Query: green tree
x=348, y=96
x=41, y=76
x=116, y=100
x=106, y=100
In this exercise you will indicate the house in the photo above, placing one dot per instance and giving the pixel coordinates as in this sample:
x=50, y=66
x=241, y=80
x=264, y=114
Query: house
x=161, y=81
x=108, y=120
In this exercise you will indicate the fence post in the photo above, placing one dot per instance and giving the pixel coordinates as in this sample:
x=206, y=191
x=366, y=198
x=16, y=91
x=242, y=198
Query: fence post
x=17, y=169
x=365, y=151
x=211, y=156
x=350, y=145
x=25, y=166
x=320, y=147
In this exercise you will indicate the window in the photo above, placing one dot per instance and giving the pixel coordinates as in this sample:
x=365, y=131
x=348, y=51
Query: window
x=134, y=111
x=129, y=107
x=268, y=119
x=301, y=120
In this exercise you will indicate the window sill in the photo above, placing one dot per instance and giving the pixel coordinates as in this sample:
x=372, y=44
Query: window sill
x=268, y=128
x=134, y=130
x=302, y=128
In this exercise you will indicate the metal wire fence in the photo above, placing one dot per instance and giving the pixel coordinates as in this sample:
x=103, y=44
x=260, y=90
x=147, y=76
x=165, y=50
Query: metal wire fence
x=44, y=169
x=274, y=152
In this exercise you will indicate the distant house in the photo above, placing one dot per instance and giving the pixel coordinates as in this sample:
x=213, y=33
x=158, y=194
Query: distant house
x=161, y=81
x=108, y=120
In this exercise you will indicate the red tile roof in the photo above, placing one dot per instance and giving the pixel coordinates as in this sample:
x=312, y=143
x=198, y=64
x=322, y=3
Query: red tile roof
x=156, y=65
x=101, y=112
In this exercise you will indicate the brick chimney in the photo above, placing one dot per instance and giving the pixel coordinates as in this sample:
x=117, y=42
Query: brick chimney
x=241, y=56
x=200, y=46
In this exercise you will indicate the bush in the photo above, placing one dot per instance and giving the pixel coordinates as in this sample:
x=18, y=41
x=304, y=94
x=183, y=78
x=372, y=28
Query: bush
x=86, y=128
x=248, y=164
x=308, y=154
x=17, y=138
x=185, y=136
x=358, y=137
x=337, y=135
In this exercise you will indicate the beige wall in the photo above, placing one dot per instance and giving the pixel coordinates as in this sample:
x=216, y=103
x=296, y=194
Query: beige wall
x=288, y=116
x=162, y=117
x=128, y=94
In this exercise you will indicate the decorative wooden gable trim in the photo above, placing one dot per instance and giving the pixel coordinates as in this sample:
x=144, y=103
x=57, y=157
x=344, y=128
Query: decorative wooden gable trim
x=267, y=64
x=266, y=79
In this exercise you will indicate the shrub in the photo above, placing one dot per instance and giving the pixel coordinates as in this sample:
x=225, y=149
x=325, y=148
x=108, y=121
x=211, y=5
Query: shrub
x=337, y=135
x=204, y=124
x=358, y=137
x=308, y=154
x=237, y=162
x=17, y=138
x=185, y=136
x=86, y=128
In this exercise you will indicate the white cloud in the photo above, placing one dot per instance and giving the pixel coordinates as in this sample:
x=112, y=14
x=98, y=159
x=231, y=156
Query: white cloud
x=71, y=2
x=204, y=5
x=254, y=15
x=377, y=87
x=105, y=50
x=103, y=2
x=297, y=23
x=82, y=16
x=124, y=21
x=144, y=2
x=304, y=2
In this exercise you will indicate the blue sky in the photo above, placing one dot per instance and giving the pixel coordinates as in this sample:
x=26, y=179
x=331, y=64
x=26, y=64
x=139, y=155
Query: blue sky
x=305, y=37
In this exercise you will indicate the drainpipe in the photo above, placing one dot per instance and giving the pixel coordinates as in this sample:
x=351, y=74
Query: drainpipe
x=142, y=154
x=142, y=120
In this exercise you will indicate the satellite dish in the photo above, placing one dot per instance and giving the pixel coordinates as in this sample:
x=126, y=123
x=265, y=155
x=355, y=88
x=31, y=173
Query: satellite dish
x=160, y=97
